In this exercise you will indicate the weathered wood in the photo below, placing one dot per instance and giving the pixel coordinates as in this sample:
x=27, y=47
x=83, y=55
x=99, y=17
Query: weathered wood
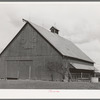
x=12, y=69
x=29, y=48
x=24, y=69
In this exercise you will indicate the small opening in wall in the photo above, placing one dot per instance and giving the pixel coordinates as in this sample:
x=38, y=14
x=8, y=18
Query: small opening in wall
x=8, y=78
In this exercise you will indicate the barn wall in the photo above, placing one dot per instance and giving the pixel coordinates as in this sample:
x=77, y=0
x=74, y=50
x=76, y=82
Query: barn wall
x=28, y=53
x=3, y=68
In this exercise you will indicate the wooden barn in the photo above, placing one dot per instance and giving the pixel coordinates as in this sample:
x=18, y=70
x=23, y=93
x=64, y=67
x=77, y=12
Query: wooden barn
x=39, y=54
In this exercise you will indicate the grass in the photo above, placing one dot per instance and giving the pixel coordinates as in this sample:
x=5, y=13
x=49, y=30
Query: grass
x=33, y=84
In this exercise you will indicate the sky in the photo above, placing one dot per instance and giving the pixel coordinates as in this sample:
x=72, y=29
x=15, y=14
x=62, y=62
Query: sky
x=78, y=22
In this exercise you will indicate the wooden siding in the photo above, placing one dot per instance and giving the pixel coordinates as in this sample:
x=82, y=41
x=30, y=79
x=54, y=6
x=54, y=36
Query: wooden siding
x=24, y=70
x=12, y=69
x=3, y=68
x=29, y=51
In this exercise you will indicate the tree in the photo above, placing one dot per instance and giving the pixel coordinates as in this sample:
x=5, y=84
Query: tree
x=56, y=67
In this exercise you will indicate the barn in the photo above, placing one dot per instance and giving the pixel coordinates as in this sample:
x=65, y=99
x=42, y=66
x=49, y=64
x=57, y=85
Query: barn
x=36, y=53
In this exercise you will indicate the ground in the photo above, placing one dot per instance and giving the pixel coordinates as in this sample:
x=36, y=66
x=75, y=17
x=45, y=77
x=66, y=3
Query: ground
x=33, y=84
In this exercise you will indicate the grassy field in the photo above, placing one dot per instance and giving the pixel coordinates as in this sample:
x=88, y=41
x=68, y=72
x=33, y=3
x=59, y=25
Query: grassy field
x=32, y=84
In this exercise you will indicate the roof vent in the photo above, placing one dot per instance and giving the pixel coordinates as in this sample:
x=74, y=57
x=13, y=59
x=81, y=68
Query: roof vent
x=54, y=30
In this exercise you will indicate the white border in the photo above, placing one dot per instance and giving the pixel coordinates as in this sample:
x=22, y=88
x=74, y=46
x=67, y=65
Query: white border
x=55, y=2
x=49, y=93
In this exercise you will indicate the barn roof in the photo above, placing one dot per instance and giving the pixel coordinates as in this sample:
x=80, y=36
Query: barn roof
x=64, y=46
x=82, y=66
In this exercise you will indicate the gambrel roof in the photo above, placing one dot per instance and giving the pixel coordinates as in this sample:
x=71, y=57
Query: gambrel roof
x=64, y=46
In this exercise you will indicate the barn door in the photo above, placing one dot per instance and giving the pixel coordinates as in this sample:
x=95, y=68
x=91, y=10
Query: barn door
x=25, y=69
x=12, y=69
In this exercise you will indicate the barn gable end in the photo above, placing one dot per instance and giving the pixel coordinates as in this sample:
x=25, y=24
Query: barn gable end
x=27, y=56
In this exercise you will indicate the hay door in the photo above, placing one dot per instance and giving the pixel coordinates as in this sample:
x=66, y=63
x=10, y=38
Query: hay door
x=25, y=69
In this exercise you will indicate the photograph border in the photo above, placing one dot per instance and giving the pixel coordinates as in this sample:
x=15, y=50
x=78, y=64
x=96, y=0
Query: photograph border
x=50, y=93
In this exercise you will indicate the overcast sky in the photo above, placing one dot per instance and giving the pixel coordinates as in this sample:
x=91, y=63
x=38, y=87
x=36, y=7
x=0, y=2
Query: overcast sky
x=77, y=21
